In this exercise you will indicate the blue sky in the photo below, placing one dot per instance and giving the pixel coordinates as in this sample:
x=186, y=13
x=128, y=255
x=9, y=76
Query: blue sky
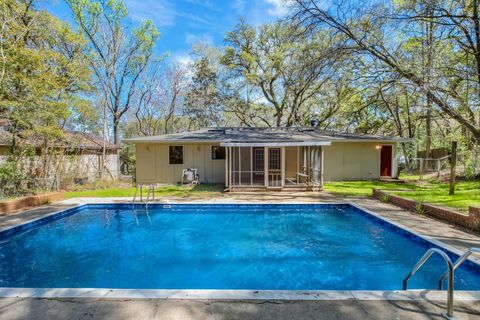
x=186, y=22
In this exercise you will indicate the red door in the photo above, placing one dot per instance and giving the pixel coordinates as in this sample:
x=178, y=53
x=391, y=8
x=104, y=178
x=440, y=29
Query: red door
x=386, y=161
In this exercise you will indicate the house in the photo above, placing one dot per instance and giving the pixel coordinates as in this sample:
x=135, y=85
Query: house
x=266, y=158
x=76, y=157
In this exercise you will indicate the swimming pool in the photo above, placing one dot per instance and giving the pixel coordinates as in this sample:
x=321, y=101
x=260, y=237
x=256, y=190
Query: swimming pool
x=190, y=246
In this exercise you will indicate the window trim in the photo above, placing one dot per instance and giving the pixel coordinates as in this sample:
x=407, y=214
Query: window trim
x=224, y=154
x=169, y=155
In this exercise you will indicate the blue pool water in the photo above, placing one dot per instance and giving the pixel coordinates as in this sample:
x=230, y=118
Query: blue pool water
x=302, y=247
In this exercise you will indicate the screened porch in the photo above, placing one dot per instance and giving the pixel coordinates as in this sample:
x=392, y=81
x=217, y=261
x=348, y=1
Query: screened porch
x=274, y=166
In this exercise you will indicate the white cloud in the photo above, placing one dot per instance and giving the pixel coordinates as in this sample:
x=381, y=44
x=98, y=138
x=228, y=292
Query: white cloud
x=183, y=59
x=199, y=21
x=159, y=11
x=186, y=61
x=278, y=8
x=204, y=38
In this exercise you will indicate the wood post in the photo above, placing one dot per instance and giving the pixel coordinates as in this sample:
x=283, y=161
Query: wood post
x=227, y=160
x=282, y=165
x=251, y=166
x=421, y=168
x=453, y=164
x=439, y=167
x=265, y=166
x=322, y=166
x=230, y=165
x=239, y=166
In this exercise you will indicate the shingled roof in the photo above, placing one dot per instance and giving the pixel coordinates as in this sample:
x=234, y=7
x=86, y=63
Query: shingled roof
x=262, y=135
x=70, y=140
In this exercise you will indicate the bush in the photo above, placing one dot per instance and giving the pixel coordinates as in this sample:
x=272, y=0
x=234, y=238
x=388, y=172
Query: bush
x=419, y=208
x=11, y=178
x=384, y=197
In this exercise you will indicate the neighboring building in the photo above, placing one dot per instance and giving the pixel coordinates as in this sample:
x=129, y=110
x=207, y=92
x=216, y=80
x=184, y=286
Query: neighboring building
x=271, y=158
x=434, y=153
x=77, y=156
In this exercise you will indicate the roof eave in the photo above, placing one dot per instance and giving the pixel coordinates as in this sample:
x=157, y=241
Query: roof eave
x=277, y=144
x=135, y=141
x=392, y=140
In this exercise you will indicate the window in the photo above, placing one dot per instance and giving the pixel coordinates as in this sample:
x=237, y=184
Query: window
x=259, y=163
x=175, y=154
x=274, y=158
x=218, y=153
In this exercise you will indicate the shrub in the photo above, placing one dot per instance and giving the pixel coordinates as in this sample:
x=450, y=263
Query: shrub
x=11, y=178
x=420, y=208
x=384, y=197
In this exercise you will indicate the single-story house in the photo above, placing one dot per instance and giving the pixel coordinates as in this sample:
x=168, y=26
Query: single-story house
x=266, y=158
x=77, y=156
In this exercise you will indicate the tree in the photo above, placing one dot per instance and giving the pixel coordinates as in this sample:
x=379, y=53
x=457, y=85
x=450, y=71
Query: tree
x=372, y=30
x=202, y=101
x=161, y=99
x=288, y=65
x=43, y=77
x=118, y=54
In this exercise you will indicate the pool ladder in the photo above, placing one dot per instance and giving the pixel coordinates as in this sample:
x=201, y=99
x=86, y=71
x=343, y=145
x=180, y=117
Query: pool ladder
x=150, y=191
x=449, y=274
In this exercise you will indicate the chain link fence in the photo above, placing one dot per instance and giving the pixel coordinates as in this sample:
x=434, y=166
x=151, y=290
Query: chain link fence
x=29, y=186
x=421, y=166
x=468, y=166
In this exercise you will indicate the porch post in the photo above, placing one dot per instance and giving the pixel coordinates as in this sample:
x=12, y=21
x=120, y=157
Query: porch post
x=239, y=166
x=321, y=166
x=265, y=165
x=298, y=163
x=282, y=151
x=230, y=168
x=251, y=166
x=305, y=162
x=227, y=159
x=309, y=164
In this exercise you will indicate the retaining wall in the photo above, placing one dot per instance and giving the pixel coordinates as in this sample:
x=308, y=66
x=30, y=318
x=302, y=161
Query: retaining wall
x=10, y=206
x=470, y=220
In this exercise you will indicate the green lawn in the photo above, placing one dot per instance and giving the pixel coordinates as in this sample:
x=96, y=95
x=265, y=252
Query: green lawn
x=364, y=188
x=177, y=191
x=467, y=193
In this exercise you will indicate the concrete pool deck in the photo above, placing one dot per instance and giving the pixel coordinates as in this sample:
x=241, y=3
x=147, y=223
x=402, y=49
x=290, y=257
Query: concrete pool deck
x=160, y=309
x=429, y=307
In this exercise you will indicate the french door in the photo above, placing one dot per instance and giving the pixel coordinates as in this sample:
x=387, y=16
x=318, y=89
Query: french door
x=274, y=168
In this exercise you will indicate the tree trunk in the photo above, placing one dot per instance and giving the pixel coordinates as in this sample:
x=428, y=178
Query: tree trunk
x=104, y=136
x=116, y=140
x=278, y=117
x=116, y=131
x=428, y=124
x=428, y=129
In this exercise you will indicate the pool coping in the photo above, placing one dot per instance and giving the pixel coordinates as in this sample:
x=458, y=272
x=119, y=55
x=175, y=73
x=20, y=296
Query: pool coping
x=294, y=295
x=207, y=294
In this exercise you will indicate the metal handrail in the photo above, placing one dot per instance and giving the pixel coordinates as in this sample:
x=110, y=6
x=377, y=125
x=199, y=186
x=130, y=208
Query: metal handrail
x=458, y=263
x=134, y=196
x=421, y=262
x=151, y=188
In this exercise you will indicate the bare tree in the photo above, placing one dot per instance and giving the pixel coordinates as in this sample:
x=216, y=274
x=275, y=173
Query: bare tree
x=288, y=66
x=160, y=99
x=173, y=94
x=367, y=31
x=118, y=54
